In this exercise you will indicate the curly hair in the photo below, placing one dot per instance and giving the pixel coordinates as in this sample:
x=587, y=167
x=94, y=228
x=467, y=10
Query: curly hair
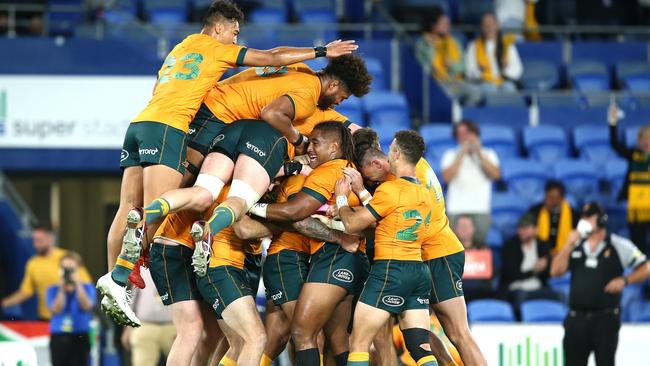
x=343, y=136
x=352, y=71
x=220, y=10
x=366, y=145
x=410, y=144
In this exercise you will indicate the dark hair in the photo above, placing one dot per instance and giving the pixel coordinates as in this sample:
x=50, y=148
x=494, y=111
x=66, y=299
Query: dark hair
x=595, y=208
x=223, y=9
x=554, y=184
x=343, y=136
x=44, y=226
x=366, y=144
x=499, y=49
x=470, y=125
x=410, y=144
x=69, y=254
x=352, y=71
x=431, y=18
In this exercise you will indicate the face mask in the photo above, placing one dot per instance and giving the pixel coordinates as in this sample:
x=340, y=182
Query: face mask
x=584, y=228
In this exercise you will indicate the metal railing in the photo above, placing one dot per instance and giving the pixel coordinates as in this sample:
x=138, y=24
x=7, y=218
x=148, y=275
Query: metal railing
x=9, y=193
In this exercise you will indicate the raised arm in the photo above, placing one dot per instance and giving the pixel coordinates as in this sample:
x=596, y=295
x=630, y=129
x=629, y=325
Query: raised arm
x=560, y=263
x=615, y=142
x=281, y=56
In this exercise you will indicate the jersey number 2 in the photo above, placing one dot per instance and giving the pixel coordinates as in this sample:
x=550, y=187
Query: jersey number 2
x=191, y=61
x=410, y=233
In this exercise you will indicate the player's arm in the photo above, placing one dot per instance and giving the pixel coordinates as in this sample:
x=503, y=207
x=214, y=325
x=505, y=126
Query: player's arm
x=354, y=221
x=281, y=56
x=280, y=114
x=248, y=228
x=560, y=263
x=296, y=209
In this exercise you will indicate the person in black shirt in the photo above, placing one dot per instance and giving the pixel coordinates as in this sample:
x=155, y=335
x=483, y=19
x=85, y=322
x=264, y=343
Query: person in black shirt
x=596, y=260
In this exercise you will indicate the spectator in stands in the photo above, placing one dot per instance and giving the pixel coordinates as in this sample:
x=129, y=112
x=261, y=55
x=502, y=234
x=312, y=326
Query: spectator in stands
x=518, y=14
x=492, y=61
x=526, y=265
x=437, y=51
x=597, y=261
x=156, y=334
x=41, y=271
x=479, y=283
x=70, y=302
x=554, y=216
x=636, y=189
x=469, y=170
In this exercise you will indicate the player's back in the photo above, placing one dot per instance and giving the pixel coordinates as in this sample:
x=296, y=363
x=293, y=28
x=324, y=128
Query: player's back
x=243, y=96
x=402, y=209
x=189, y=72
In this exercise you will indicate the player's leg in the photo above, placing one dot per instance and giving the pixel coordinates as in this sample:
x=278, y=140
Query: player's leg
x=367, y=322
x=383, y=343
x=278, y=332
x=242, y=316
x=210, y=338
x=415, y=328
x=130, y=196
x=336, y=331
x=186, y=316
x=229, y=349
x=192, y=168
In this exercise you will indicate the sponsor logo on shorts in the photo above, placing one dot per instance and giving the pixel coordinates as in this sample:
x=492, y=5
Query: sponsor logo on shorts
x=191, y=131
x=153, y=151
x=423, y=301
x=343, y=275
x=276, y=297
x=459, y=285
x=215, y=305
x=216, y=139
x=255, y=149
x=392, y=300
x=164, y=297
x=124, y=155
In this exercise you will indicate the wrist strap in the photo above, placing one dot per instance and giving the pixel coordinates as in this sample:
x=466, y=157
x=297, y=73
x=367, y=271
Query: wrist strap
x=321, y=51
x=292, y=168
x=300, y=141
x=341, y=201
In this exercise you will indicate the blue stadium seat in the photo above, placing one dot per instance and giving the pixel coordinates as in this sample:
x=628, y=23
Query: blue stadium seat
x=386, y=132
x=398, y=119
x=557, y=100
x=525, y=178
x=505, y=99
x=631, y=136
x=592, y=143
x=540, y=75
x=546, y=51
x=589, y=76
x=609, y=52
x=379, y=101
x=545, y=144
x=637, y=83
x=64, y=16
x=471, y=11
x=561, y=284
x=302, y=5
x=489, y=310
x=317, y=16
x=120, y=11
x=437, y=138
x=631, y=68
x=166, y=12
x=516, y=117
x=268, y=16
x=506, y=210
x=317, y=63
x=500, y=138
x=639, y=311
x=353, y=109
x=617, y=217
x=494, y=239
x=543, y=311
x=376, y=69
x=615, y=172
x=579, y=177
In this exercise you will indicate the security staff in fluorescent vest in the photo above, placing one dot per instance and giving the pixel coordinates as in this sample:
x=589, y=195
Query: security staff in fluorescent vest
x=597, y=260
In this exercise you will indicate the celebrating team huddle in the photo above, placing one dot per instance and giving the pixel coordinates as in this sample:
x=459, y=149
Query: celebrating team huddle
x=357, y=236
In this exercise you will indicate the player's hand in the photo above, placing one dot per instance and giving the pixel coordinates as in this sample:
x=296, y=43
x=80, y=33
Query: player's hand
x=612, y=115
x=350, y=243
x=343, y=187
x=615, y=286
x=302, y=159
x=355, y=178
x=302, y=148
x=339, y=48
x=306, y=170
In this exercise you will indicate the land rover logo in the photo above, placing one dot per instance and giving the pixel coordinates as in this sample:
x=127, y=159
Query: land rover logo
x=343, y=275
x=392, y=300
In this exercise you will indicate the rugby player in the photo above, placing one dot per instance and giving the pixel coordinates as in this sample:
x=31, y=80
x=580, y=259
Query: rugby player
x=398, y=282
x=155, y=142
x=441, y=249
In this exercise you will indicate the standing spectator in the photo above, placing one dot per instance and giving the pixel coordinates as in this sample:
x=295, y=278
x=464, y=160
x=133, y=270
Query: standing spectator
x=436, y=50
x=480, y=286
x=70, y=302
x=596, y=260
x=526, y=265
x=492, y=60
x=157, y=333
x=518, y=14
x=554, y=216
x=41, y=272
x=469, y=170
x=636, y=189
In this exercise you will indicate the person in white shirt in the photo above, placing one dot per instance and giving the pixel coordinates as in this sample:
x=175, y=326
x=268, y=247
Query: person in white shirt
x=469, y=170
x=492, y=61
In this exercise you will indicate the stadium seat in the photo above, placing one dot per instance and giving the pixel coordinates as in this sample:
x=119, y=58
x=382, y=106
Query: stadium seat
x=631, y=68
x=546, y=51
x=608, y=52
x=120, y=11
x=302, y=5
x=489, y=310
x=471, y=11
x=543, y=311
x=592, y=144
x=323, y=22
x=437, y=138
x=561, y=284
x=380, y=101
x=353, y=109
x=617, y=217
x=376, y=69
x=525, y=178
x=515, y=117
x=615, y=172
x=639, y=311
x=579, y=177
x=631, y=136
x=540, y=75
x=505, y=99
x=588, y=76
x=546, y=144
x=557, y=100
x=64, y=16
x=506, y=210
x=268, y=16
x=165, y=12
x=494, y=239
x=500, y=138
x=395, y=119
x=637, y=83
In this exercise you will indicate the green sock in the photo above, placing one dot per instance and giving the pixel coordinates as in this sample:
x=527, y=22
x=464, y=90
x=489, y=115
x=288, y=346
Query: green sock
x=157, y=209
x=122, y=270
x=222, y=218
x=358, y=359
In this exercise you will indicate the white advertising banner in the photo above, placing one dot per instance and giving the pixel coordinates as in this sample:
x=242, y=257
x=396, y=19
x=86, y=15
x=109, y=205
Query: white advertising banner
x=69, y=111
x=541, y=345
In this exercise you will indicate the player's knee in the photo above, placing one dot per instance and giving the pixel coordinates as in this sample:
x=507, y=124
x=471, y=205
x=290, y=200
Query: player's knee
x=211, y=188
x=417, y=342
x=256, y=340
x=457, y=333
x=242, y=190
